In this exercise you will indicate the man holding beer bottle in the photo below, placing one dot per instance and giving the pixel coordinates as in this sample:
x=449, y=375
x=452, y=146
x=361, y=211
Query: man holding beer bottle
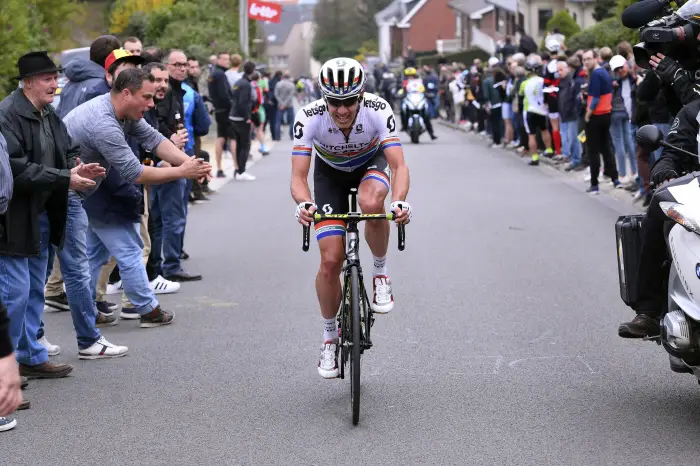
x=170, y=209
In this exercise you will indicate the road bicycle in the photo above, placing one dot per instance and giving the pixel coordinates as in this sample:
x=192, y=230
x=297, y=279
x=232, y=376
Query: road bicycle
x=355, y=317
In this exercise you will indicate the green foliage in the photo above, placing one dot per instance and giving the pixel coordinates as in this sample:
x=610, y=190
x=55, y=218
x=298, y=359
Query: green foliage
x=196, y=26
x=608, y=32
x=566, y=24
x=345, y=28
x=466, y=57
x=27, y=26
x=604, y=9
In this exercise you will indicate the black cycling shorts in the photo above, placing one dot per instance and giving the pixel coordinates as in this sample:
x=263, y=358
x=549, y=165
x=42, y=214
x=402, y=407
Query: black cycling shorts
x=224, y=126
x=332, y=190
x=534, y=122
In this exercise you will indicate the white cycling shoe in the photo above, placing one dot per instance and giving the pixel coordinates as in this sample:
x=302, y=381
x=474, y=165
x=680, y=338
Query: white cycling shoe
x=383, y=301
x=328, y=360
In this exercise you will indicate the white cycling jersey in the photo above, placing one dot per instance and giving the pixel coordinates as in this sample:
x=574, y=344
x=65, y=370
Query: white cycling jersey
x=374, y=129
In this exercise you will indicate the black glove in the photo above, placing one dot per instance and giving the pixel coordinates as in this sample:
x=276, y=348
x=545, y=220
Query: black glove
x=663, y=175
x=668, y=69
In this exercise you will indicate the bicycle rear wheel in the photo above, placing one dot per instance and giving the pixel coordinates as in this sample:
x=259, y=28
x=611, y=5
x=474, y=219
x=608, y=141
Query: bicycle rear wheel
x=356, y=344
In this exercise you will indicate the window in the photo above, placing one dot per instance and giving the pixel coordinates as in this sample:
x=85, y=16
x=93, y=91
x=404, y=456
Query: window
x=543, y=17
x=498, y=16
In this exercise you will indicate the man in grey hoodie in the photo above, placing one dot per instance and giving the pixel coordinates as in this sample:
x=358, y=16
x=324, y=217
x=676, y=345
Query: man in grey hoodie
x=284, y=93
x=87, y=78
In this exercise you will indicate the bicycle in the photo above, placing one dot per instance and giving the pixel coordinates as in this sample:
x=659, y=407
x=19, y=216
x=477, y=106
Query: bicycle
x=355, y=316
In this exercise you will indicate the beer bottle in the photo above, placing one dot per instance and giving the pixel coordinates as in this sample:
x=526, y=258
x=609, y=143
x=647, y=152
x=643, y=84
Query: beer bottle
x=180, y=124
x=148, y=158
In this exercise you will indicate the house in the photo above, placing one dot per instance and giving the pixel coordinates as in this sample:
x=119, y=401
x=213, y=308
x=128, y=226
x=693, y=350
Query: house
x=537, y=12
x=480, y=23
x=418, y=24
x=289, y=42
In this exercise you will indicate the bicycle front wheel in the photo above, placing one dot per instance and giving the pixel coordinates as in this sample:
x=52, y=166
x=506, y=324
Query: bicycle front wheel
x=356, y=344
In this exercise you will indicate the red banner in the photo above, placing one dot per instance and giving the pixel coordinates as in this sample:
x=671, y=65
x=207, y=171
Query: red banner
x=264, y=11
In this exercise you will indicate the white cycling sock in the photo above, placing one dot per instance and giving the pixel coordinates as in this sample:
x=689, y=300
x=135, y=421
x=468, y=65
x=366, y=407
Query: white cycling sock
x=379, y=266
x=330, y=330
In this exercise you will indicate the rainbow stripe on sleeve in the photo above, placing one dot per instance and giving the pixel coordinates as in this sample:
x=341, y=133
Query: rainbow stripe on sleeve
x=302, y=150
x=390, y=142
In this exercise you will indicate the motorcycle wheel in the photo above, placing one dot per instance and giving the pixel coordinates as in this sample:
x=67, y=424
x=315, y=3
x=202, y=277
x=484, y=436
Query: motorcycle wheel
x=415, y=137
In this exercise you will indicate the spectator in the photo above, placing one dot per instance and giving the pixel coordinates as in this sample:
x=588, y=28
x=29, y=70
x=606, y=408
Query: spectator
x=10, y=391
x=272, y=107
x=171, y=196
x=43, y=174
x=152, y=54
x=87, y=78
x=284, y=93
x=598, y=110
x=624, y=97
x=220, y=94
x=494, y=90
x=233, y=75
x=569, y=109
x=241, y=114
x=527, y=44
x=133, y=45
x=100, y=126
x=506, y=50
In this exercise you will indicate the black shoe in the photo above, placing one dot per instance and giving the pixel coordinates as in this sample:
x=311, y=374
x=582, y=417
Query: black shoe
x=678, y=366
x=199, y=198
x=220, y=174
x=156, y=318
x=533, y=163
x=106, y=308
x=59, y=302
x=184, y=256
x=24, y=382
x=25, y=404
x=207, y=190
x=183, y=276
x=433, y=137
x=641, y=326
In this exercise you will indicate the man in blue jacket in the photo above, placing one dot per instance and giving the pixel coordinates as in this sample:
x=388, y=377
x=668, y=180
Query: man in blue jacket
x=87, y=77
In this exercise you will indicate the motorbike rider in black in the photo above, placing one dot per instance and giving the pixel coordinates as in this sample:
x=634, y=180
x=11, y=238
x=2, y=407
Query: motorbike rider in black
x=411, y=74
x=672, y=169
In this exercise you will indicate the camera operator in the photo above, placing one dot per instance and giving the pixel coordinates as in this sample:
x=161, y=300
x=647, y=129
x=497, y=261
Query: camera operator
x=673, y=169
x=677, y=84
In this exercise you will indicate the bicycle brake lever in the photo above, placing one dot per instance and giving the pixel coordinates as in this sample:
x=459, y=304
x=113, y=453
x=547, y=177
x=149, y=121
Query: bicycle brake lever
x=305, y=238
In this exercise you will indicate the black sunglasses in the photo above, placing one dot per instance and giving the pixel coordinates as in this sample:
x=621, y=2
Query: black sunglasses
x=349, y=102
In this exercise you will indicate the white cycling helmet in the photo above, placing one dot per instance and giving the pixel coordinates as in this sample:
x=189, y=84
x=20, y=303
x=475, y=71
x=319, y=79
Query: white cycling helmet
x=341, y=78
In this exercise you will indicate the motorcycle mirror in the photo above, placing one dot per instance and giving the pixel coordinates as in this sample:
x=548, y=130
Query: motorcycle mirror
x=649, y=137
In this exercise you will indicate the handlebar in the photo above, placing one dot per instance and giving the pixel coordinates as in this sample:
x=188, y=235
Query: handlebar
x=354, y=217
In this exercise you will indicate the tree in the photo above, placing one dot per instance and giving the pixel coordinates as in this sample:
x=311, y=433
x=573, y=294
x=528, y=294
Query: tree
x=123, y=11
x=32, y=25
x=604, y=9
x=564, y=22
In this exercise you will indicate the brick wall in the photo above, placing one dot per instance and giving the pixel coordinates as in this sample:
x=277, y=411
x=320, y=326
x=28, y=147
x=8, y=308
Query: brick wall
x=435, y=20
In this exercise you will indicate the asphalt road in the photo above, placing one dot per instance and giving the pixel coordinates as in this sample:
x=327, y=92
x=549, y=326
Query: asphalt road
x=502, y=348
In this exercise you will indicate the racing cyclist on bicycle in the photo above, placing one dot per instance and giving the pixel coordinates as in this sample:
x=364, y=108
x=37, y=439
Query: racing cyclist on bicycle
x=353, y=135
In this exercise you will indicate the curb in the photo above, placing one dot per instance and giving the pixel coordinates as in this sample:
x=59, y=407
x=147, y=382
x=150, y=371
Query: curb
x=574, y=177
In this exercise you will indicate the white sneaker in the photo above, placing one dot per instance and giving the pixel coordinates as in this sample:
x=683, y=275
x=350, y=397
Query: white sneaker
x=114, y=288
x=383, y=301
x=7, y=423
x=54, y=350
x=328, y=360
x=245, y=176
x=102, y=349
x=162, y=286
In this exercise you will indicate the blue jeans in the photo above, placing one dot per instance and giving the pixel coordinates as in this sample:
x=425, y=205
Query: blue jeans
x=169, y=210
x=623, y=140
x=570, y=145
x=290, y=118
x=664, y=128
x=123, y=241
x=76, y=273
x=22, y=287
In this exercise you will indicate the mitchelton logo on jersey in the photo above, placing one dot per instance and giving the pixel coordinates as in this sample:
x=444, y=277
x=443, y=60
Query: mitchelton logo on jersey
x=317, y=110
x=375, y=105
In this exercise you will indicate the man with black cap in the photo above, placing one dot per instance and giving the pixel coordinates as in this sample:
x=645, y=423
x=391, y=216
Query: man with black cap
x=45, y=165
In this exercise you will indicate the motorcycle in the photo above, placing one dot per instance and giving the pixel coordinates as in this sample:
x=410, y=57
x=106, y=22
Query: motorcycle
x=415, y=106
x=679, y=327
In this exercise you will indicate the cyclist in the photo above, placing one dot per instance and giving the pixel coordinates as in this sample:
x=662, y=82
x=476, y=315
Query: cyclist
x=353, y=135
